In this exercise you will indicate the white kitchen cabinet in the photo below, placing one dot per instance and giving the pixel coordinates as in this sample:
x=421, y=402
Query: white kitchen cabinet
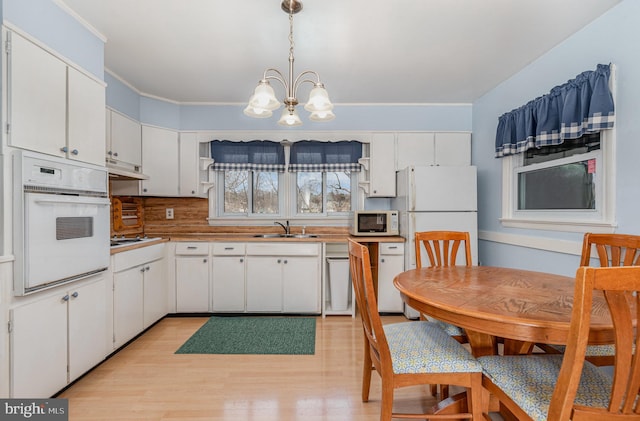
x=380, y=172
x=228, y=277
x=137, y=275
x=71, y=322
x=160, y=156
x=154, y=293
x=51, y=107
x=192, y=277
x=124, y=141
x=283, y=277
x=128, y=296
x=88, y=343
x=427, y=148
x=189, y=165
x=301, y=285
x=264, y=283
x=390, y=263
x=85, y=118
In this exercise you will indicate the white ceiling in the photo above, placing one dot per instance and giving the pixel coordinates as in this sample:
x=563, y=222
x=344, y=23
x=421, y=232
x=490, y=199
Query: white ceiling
x=366, y=51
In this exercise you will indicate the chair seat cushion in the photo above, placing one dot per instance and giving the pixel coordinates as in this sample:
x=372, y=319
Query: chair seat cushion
x=529, y=381
x=423, y=347
x=593, y=350
x=452, y=330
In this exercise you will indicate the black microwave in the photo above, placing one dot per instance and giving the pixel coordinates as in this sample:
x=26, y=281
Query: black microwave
x=374, y=223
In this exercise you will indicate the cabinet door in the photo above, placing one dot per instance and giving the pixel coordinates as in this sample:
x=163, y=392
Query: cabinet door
x=127, y=305
x=86, y=120
x=38, y=370
x=453, y=149
x=264, y=283
x=301, y=285
x=189, y=162
x=382, y=171
x=155, y=292
x=125, y=141
x=227, y=280
x=87, y=327
x=37, y=98
x=160, y=161
x=415, y=149
x=390, y=264
x=192, y=284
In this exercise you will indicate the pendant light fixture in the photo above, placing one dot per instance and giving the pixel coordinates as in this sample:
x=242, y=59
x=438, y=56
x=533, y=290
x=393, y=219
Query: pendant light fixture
x=263, y=101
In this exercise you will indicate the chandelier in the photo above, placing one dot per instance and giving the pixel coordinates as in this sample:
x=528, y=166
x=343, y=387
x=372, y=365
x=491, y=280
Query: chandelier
x=263, y=101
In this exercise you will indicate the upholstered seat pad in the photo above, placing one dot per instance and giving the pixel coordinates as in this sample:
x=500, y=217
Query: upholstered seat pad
x=529, y=381
x=594, y=350
x=452, y=330
x=423, y=347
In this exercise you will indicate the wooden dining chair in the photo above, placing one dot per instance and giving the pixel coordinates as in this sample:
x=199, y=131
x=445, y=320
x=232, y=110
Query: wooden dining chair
x=409, y=353
x=611, y=250
x=442, y=250
x=566, y=386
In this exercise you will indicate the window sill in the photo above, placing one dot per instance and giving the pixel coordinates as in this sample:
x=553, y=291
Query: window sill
x=558, y=225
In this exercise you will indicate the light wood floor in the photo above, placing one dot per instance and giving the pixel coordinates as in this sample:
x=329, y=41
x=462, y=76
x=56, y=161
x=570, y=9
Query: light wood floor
x=147, y=381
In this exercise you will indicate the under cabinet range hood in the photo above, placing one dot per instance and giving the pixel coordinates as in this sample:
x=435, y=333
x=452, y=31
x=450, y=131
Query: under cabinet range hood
x=122, y=173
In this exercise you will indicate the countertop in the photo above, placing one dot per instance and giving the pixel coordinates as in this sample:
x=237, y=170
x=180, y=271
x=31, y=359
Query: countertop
x=248, y=237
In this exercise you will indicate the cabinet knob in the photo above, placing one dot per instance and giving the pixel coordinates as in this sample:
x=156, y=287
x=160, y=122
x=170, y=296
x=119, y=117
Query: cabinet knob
x=142, y=270
x=115, y=154
x=109, y=153
x=75, y=294
x=64, y=149
x=279, y=260
x=193, y=192
x=144, y=190
x=65, y=298
x=241, y=260
x=285, y=261
x=74, y=152
x=382, y=260
x=147, y=268
x=204, y=260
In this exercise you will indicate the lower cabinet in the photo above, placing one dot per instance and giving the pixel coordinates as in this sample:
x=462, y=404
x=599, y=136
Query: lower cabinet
x=283, y=277
x=192, y=277
x=390, y=263
x=139, y=291
x=228, y=277
x=71, y=321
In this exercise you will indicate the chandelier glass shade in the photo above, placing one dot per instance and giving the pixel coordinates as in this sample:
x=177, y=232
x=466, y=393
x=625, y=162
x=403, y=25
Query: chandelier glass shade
x=264, y=102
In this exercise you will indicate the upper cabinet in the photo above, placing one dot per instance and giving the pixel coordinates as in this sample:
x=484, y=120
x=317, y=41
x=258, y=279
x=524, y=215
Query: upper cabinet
x=160, y=162
x=51, y=107
x=379, y=167
x=425, y=148
x=124, y=141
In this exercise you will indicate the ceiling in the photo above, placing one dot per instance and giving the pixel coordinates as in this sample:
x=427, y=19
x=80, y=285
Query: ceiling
x=366, y=51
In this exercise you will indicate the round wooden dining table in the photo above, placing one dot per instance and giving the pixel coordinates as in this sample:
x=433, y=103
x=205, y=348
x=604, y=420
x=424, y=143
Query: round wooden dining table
x=495, y=304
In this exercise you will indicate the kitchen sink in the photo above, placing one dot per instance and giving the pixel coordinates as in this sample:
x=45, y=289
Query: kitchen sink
x=285, y=235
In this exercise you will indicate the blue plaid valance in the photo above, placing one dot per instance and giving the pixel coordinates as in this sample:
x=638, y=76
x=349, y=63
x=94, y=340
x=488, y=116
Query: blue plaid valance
x=259, y=155
x=582, y=105
x=316, y=156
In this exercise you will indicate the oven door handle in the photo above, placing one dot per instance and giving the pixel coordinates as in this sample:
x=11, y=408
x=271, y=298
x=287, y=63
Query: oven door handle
x=97, y=202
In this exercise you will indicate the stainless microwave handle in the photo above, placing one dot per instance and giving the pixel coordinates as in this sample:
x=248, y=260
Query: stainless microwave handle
x=100, y=202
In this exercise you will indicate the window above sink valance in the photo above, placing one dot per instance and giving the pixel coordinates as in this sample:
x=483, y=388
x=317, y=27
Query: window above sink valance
x=581, y=105
x=316, y=156
x=259, y=155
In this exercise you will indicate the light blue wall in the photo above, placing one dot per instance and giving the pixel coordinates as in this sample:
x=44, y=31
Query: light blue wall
x=612, y=38
x=122, y=98
x=52, y=26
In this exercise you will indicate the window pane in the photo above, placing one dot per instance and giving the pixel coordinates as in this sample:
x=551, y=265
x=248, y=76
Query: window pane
x=339, y=191
x=265, y=192
x=309, y=192
x=236, y=188
x=569, y=186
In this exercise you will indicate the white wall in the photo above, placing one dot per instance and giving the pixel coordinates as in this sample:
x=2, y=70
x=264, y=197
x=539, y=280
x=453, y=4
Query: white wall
x=612, y=38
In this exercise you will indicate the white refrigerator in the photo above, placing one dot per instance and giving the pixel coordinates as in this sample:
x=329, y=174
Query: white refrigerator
x=436, y=198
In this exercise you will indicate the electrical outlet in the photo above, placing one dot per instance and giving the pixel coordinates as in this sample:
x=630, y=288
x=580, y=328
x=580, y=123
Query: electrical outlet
x=169, y=213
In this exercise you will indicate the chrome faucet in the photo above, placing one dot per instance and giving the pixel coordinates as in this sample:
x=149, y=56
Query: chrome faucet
x=287, y=229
